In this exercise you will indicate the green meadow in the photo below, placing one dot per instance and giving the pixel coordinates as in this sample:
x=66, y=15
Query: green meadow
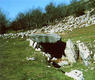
x=15, y=66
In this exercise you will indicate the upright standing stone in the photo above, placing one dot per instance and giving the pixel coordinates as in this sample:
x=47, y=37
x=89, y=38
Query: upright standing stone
x=35, y=44
x=94, y=58
x=31, y=43
x=70, y=51
x=84, y=52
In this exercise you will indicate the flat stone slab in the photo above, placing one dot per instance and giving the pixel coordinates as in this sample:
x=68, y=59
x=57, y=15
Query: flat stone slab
x=45, y=38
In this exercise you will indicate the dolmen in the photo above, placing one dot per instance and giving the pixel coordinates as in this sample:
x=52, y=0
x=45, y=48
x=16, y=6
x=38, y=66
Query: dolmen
x=51, y=45
x=60, y=53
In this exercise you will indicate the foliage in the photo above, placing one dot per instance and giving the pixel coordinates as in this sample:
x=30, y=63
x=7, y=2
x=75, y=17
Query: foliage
x=92, y=3
x=19, y=22
x=51, y=12
x=76, y=8
x=3, y=22
x=29, y=20
x=36, y=18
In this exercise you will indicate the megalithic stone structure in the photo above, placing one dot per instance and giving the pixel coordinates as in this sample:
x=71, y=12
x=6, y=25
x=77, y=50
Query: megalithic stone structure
x=45, y=38
x=84, y=53
x=70, y=51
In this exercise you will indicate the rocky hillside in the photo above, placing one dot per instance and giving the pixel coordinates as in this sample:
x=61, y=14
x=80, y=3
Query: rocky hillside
x=70, y=23
x=67, y=24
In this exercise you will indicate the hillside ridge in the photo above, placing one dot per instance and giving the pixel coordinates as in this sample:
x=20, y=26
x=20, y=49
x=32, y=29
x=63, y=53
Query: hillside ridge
x=67, y=24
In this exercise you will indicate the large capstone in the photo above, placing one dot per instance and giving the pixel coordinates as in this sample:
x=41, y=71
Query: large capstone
x=45, y=38
x=70, y=51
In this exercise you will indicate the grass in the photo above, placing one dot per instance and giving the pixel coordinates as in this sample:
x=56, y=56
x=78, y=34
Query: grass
x=84, y=34
x=14, y=66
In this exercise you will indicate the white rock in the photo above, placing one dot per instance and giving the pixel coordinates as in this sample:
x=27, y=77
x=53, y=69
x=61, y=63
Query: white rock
x=75, y=74
x=43, y=53
x=54, y=58
x=31, y=43
x=27, y=39
x=92, y=68
x=70, y=51
x=38, y=49
x=62, y=63
x=94, y=57
x=48, y=66
x=35, y=44
x=30, y=58
x=84, y=53
x=47, y=55
x=52, y=31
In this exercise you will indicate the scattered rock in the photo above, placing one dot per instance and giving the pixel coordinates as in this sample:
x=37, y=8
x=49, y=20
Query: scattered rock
x=75, y=74
x=37, y=49
x=63, y=63
x=92, y=68
x=30, y=58
x=48, y=66
x=86, y=70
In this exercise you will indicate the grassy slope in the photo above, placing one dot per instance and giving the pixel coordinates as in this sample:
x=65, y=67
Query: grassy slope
x=14, y=66
x=83, y=34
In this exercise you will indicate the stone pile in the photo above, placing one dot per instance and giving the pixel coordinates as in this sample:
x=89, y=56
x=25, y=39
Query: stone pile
x=69, y=23
x=16, y=35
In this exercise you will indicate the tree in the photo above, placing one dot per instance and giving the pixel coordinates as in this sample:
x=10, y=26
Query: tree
x=91, y=3
x=51, y=12
x=76, y=8
x=29, y=20
x=19, y=22
x=36, y=18
x=88, y=4
x=62, y=11
x=3, y=22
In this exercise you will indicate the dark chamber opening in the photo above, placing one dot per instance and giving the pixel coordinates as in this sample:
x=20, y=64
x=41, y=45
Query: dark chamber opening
x=55, y=49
